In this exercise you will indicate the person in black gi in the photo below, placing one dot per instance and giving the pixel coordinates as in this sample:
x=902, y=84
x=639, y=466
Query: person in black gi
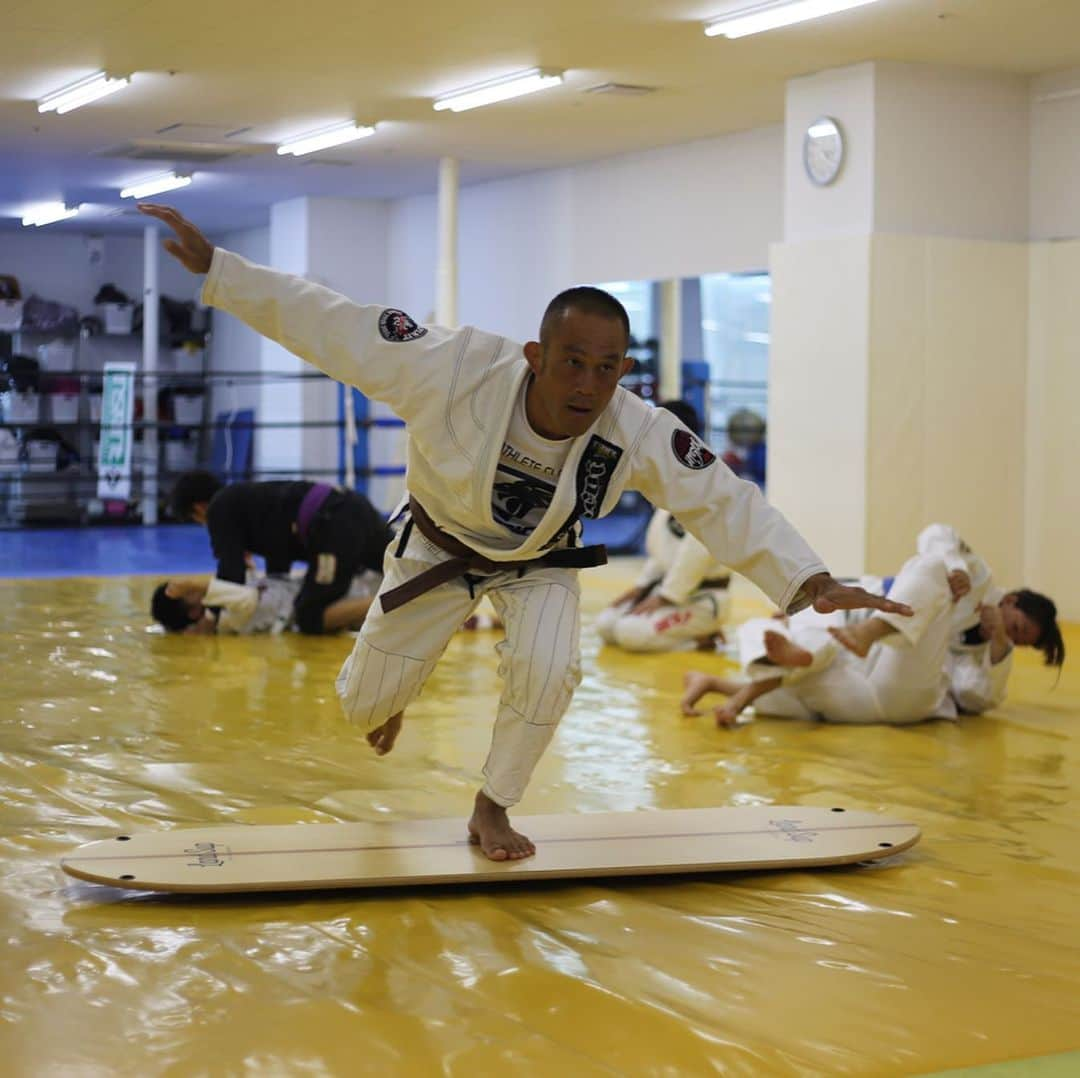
x=338, y=533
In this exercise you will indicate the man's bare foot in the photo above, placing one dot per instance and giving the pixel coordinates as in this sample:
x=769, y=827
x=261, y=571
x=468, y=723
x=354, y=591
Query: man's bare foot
x=860, y=638
x=382, y=738
x=698, y=685
x=850, y=639
x=784, y=652
x=727, y=716
x=489, y=828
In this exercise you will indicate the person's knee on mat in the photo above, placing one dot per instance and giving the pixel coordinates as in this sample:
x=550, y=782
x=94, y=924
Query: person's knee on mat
x=309, y=618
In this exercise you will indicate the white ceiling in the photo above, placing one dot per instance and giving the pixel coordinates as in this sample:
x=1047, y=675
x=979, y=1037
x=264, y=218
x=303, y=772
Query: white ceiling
x=272, y=69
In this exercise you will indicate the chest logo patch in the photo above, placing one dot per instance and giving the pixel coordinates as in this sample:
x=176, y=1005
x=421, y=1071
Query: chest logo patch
x=397, y=326
x=691, y=451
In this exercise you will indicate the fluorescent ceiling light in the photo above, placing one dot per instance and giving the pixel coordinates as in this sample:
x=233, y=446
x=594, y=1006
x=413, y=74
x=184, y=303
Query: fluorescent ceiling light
x=81, y=93
x=1058, y=95
x=156, y=186
x=47, y=212
x=749, y=18
x=324, y=139
x=502, y=89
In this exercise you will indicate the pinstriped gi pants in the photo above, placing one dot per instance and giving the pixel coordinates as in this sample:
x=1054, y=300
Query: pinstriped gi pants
x=539, y=661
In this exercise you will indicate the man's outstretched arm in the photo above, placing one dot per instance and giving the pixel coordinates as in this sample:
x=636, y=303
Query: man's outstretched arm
x=379, y=350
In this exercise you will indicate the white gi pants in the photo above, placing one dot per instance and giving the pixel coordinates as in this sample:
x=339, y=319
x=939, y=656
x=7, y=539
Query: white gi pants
x=539, y=659
x=902, y=680
x=667, y=629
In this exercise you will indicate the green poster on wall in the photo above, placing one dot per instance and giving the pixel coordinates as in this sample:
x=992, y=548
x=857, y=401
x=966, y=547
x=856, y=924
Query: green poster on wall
x=117, y=415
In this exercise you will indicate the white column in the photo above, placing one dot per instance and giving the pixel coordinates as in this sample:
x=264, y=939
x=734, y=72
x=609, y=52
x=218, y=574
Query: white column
x=900, y=315
x=670, y=339
x=446, y=274
x=151, y=306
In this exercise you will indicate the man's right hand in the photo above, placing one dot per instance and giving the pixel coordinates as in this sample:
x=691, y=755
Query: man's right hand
x=193, y=250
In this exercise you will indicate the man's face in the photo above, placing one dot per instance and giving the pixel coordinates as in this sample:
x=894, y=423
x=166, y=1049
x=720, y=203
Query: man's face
x=1022, y=630
x=575, y=373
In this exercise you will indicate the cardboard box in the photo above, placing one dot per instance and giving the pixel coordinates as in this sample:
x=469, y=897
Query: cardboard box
x=40, y=455
x=117, y=317
x=57, y=356
x=64, y=407
x=21, y=407
x=11, y=314
x=187, y=407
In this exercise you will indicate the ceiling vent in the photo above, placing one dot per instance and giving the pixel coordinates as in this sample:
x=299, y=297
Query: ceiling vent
x=199, y=132
x=621, y=89
x=195, y=153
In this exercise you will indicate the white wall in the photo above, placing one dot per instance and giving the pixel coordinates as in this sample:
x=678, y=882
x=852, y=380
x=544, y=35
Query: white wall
x=948, y=373
x=818, y=392
x=1052, y=487
x=704, y=207
x=950, y=149
x=340, y=243
x=412, y=255
x=929, y=151
x=896, y=394
x=1055, y=156
x=233, y=346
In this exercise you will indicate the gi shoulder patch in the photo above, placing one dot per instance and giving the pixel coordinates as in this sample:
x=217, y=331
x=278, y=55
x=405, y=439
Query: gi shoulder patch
x=397, y=326
x=690, y=450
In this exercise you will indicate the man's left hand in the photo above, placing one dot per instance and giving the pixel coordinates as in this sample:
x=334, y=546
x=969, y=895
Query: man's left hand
x=829, y=595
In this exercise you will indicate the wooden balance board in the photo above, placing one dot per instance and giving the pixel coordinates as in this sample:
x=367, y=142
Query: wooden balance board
x=413, y=852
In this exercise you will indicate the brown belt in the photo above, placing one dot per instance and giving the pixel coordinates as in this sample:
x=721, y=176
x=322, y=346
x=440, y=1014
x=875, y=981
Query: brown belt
x=466, y=560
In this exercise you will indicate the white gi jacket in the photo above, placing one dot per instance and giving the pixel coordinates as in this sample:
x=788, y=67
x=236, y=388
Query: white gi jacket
x=456, y=388
x=262, y=605
x=975, y=683
x=676, y=559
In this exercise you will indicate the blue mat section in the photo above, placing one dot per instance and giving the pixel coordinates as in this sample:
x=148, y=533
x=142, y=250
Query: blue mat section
x=620, y=533
x=123, y=550
x=105, y=551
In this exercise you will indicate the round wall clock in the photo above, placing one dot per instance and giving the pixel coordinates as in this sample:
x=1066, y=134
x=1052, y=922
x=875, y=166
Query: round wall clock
x=823, y=150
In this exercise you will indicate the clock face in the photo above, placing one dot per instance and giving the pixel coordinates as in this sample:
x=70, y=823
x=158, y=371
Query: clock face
x=823, y=150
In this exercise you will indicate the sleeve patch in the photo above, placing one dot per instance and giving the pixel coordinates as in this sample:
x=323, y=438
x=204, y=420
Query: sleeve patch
x=690, y=450
x=397, y=326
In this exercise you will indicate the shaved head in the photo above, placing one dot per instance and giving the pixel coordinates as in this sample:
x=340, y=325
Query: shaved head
x=587, y=300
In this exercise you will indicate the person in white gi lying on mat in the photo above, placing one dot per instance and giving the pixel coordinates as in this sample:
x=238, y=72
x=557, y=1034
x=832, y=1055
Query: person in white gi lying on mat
x=508, y=448
x=681, y=596
x=262, y=604
x=953, y=657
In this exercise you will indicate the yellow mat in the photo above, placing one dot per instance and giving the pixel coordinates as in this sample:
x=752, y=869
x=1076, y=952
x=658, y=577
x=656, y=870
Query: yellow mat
x=966, y=952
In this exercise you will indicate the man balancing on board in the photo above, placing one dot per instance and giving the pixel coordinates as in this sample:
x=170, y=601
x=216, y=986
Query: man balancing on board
x=508, y=448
